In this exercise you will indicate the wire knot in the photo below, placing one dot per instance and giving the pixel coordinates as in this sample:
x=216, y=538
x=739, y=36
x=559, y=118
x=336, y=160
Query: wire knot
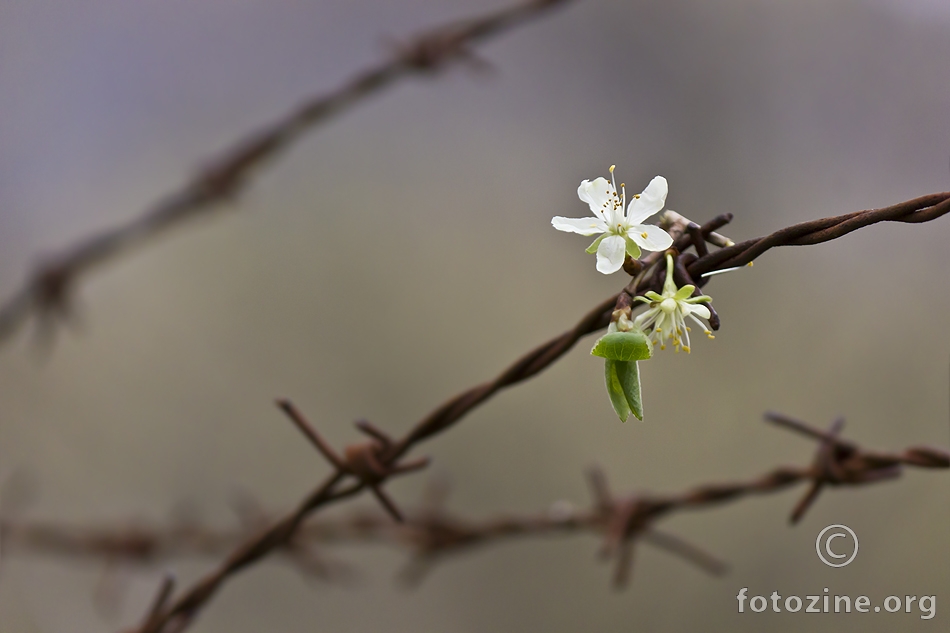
x=367, y=461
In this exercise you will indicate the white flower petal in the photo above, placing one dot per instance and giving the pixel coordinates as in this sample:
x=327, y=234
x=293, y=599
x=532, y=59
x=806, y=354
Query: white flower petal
x=597, y=194
x=650, y=237
x=697, y=309
x=649, y=202
x=646, y=319
x=584, y=226
x=610, y=254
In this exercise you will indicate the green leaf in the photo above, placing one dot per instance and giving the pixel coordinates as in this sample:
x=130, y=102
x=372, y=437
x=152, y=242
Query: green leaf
x=629, y=375
x=623, y=388
x=615, y=390
x=623, y=346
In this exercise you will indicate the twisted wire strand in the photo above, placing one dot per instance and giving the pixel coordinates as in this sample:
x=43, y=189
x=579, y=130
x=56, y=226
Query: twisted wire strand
x=922, y=209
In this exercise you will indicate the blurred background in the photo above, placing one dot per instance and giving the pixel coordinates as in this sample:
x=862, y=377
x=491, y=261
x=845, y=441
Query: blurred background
x=404, y=252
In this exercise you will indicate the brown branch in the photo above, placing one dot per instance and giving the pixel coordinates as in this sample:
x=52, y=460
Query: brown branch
x=431, y=533
x=46, y=293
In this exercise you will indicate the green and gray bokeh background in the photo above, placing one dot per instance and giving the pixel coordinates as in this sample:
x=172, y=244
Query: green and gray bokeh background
x=404, y=252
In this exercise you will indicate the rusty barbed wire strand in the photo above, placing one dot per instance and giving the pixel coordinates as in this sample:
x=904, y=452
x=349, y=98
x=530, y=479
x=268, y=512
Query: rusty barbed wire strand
x=431, y=533
x=922, y=209
x=182, y=610
x=46, y=293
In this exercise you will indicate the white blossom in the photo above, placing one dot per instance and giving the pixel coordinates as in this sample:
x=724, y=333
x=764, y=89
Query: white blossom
x=622, y=231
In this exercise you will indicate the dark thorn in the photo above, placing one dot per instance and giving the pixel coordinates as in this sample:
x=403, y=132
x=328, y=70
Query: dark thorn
x=387, y=503
x=375, y=432
x=408, y=467
x=806, y=501
x=927, y=457
x=880, y=474
x=618, y=526
x=717, y=223
x=600, y=491
x=828, y=453
x=307, y=429
x=806, y=429
x=689, y=552
x=699, y=241
x=624, y=566
x=158, y=604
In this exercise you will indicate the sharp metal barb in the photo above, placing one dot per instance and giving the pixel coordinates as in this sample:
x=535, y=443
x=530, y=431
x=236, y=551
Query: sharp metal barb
x=387, y=503
x=161, y=599
x=311, y=434
x=689, y=552
x=600, y=490
x=624, y=565
x=375, y=432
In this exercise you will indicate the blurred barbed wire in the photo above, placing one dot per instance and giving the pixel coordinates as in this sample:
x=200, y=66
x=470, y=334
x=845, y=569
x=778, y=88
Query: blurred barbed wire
x=430, y=532
x=46, y=294
x=370, y=464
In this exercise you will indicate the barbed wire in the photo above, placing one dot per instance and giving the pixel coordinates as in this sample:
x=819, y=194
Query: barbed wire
x=371, y=463
x=368, y=465
x=431, y=533
x=47, y=292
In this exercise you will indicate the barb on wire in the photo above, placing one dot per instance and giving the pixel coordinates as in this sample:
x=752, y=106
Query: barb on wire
x=161, y=598
x=431, y=533
x=46, y=294
x=364, y=461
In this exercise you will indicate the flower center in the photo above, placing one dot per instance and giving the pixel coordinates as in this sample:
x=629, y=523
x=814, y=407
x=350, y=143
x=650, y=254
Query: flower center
x=668, y=305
